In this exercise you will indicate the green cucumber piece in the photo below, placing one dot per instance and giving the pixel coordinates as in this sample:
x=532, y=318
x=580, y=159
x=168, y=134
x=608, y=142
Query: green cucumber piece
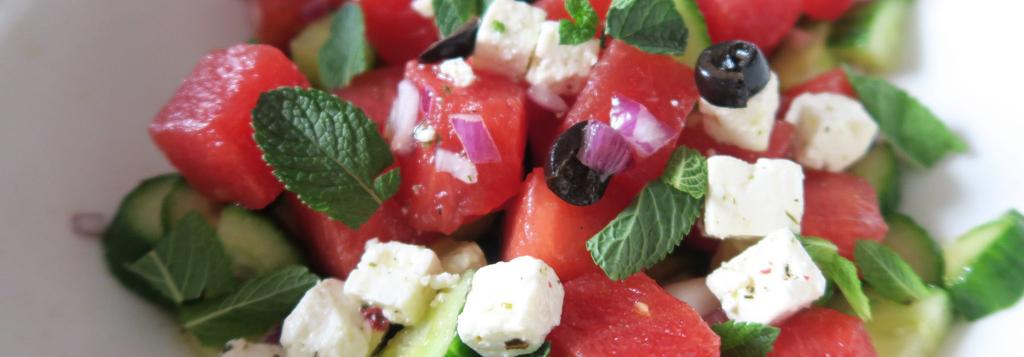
x=306, y=46
x=881, y=169
x=871, y=34
x=254, y=243
x=433, y=336
x=985, y=267
x=697, y=38
x=798, y=60
x=916, y=247
x=918, y=329
x=181, y=200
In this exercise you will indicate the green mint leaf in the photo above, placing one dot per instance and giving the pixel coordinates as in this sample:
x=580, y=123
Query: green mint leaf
x=325, y=150
x=687, y=171
x=744, y=339
x=346, y=53
x=449, y=15
x=841, y=272
x=888, y=274
x=255, y=307
x=650, y=25
x=645, y=232
x=906, y=123
x=386, y=185
x=190, y=260
x=585, y=25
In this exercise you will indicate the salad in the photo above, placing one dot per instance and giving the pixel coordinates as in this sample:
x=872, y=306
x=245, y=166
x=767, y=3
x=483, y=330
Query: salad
x=560, y=177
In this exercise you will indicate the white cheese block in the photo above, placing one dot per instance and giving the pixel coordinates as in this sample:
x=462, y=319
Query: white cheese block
x=832, y=131
x=749, y=127
x=395, y=277
x=507, y=36
x=424, y=8
x=751, y=201
x=561, y=68
x=457, y=71
x=327, y=323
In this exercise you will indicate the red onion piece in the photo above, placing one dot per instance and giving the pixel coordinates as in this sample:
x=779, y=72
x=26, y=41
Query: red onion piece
x=638, y=126
x=547, y=99
x=88, y=224
x=402, y=119
x=695, y=292
x=604, y=150
x=476, y=139
x=455, y=164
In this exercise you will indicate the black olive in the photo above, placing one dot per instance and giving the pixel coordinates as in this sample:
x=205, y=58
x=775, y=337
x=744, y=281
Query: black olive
x=569, y=178
x=460, y=43
x=731, y=72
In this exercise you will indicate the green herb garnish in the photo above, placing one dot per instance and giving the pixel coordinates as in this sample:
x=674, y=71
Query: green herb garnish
x=449, y=15
x=888, y=274
x=840, y=271
x=585, y=26
x=651, y=25
x=743, y=339
x=346, y=53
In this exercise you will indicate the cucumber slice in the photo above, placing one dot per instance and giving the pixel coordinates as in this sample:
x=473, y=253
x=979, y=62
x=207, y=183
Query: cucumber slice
x=433, y=336
x=803, y=55
x=871, y=34
x=881, y=169
x=254, y=244
x=181, y=200
x=916, y=247
x=913, y=330
x=306, y=46
x=697, y=38
x=985, y=267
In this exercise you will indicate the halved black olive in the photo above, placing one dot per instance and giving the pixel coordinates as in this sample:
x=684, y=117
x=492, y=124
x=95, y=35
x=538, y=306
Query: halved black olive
x=460, y=43
x=731, y=72
x=569, y=178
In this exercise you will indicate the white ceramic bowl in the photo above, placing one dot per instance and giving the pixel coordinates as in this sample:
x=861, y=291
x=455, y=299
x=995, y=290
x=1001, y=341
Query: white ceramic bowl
x=81, y=80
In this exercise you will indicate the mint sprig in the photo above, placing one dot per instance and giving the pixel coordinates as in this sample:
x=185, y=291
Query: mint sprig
x=346, y=53
x=744, y=339
x=650, y=25
x=585, y=26
x=325, y=150
x=450, y=15
x=687, y=171
x=841, y=272
x=888, y=274
x=189, y=261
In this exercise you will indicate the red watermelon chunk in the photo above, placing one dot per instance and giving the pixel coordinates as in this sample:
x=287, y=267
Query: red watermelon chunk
x=830, y=10
x=634, y=317
x=661, y=84
x=542, y=225
x=780, y=145
x=396, y=32
x=841, y=208
x=205, y=130
x=374, y=92
x=822, y=332
x=438, y=201
x=833, y=81
x=280, y=20
x=763, y=22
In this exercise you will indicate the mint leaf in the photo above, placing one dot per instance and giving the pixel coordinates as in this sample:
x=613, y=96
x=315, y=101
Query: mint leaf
x=888, y=274
x=841, y=272
x=449, y=15
x=687, y=171
x=744, y=339
x=650, y=25
x=386, y=185
x=585, y=25
x=326, y=151
x=906, y=123
x=255, y=307
x=645, y=232
x=346, y=53
x=187, y=262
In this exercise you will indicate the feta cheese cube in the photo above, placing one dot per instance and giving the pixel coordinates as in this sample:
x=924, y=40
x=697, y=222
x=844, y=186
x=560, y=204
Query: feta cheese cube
x=748, y=128
x=561, y=68
x=506, y=38
x=327, y=323
x=511, y=307
x=424, y=8
x=769, y=281
x=751, y=201
x=242, y=348
x=457, y=71
x=395, y=277
x=458, y=257
x=832, y=130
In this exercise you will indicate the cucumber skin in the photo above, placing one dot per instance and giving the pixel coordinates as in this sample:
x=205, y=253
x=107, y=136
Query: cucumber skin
x=919, y=329
x=994, y=279
x=795, y=64
x=181, y=200
x=697, y=38
x=856, y=39
x=880, y=167
x=417, y=342
x=254, y=253
x=916, y=247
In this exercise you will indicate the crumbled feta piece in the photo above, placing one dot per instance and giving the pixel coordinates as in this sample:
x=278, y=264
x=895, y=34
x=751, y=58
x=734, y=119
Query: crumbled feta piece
x=327, y=323
x=752, y=200
x=561, y=68
x=457, y=71
x=458, y=257
x=832, y=131
x=748, y=128
x=511, y=307
x=506, y=38
x=769, y=281
x=242, y=348
x=395, y=277
x=455, y=164
x=424, y=133
x=424, y=8
x=443, y=281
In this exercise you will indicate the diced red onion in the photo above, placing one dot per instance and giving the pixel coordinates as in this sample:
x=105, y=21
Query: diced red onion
x=402, y=119
x=455, y=164
x=604, y=150
x=638, y=126
x=547, y=99
x=695, y=292
x=476, y=139
x=88, y=224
